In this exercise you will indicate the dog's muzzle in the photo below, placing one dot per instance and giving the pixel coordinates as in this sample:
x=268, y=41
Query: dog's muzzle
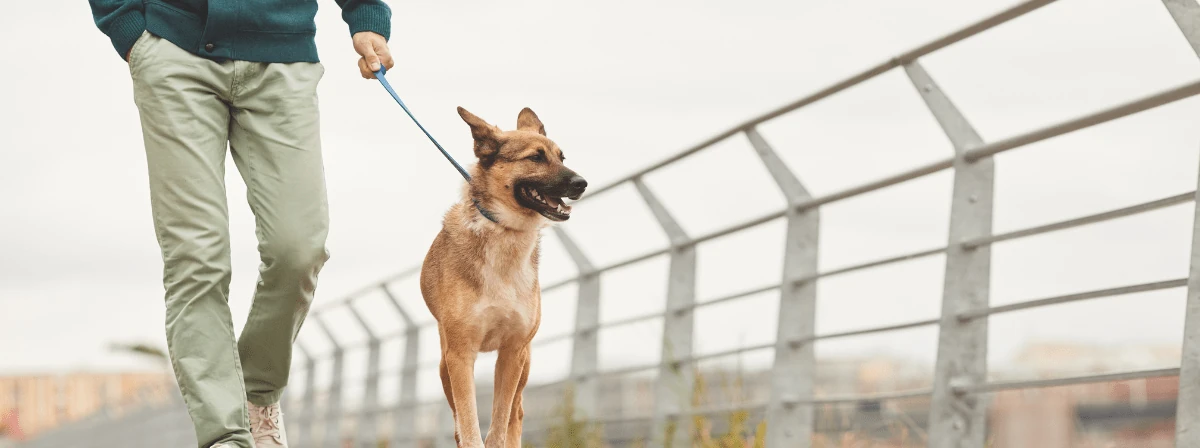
x=575, y=187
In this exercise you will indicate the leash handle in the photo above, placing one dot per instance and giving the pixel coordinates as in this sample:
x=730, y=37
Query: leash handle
x=383, y=80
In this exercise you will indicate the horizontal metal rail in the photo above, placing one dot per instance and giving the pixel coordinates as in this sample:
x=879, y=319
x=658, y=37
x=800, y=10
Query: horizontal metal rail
x=1032, y=231
x=866, y=331
x=706, y=410
x=1084, y=220
x=1056, y=300
x=626, y=321
x=693, y=359
x=990, y=387
x=1132, y=289
x=923, y=393
x=883, y=396
x=738, y=295
x=975, y=314
x=1128, y=211
x=346, y=299
x=874, y=264
x=1001, y=386
x=972, y=243
x=630, y=369
x=548, y=340
x=1165, y=97
x=876, y=70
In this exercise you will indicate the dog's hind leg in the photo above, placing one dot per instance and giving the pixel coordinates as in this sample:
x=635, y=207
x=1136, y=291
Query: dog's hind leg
x=516, y=421
x=510, y=365
x=460, y=368
x=446, y=387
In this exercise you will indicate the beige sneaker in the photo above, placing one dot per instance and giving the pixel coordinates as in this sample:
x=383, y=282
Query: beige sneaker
x=266, y=426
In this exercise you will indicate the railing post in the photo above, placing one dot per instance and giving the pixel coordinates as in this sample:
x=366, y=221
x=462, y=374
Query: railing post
x=1187, y=414
x=368, y=430
x=333, y=405
x=789, y=421
x=584, y=351
x=302, y=435
x=406, y=410
x=958, y=419
x=673, y=390
x=1186, y=14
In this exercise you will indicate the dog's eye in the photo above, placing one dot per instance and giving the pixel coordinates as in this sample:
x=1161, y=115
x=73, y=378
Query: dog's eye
x=539, y=157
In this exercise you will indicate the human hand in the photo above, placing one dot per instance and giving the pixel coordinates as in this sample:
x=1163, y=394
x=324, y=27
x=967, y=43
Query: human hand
x=374, y=51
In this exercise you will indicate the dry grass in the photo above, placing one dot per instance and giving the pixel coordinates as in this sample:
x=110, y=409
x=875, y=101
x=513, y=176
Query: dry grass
x=569, y=431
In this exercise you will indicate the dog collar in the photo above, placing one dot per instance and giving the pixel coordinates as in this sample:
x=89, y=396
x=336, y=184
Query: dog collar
x=485, y=212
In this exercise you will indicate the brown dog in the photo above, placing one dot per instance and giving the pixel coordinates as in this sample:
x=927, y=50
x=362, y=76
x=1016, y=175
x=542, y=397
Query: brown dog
x=480, y=277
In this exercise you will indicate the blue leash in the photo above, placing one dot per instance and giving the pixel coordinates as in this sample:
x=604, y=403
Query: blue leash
x=386, y=85
x=383, y=80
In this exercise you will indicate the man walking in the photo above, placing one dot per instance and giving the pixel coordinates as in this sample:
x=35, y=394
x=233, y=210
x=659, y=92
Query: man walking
x=215, y=74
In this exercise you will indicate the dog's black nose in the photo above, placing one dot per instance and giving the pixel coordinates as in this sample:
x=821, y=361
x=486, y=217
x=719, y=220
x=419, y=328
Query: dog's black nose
x=578, y=183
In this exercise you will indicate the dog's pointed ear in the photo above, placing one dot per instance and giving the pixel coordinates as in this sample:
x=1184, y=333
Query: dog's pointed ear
x=487, y=137
x=529, y=121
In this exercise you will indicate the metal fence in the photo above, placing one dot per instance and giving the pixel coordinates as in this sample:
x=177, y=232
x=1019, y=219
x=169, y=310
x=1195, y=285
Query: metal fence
x=960, y=385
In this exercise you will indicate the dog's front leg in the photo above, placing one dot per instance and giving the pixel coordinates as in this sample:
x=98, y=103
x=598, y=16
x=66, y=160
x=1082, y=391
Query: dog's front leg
x=461, y=368
x=518, y=408
x=510, y=364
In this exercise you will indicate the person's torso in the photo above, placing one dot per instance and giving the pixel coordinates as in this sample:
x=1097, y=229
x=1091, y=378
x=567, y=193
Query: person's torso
x=276, y=16
x=258, y=30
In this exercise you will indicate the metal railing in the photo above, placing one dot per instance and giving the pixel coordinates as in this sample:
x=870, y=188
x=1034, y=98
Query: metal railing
x=956, y=415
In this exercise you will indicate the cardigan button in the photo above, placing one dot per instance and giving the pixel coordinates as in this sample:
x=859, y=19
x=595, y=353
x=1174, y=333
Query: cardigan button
x=209, y=47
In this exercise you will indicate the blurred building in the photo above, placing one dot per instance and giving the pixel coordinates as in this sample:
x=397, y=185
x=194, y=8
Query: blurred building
x=36, y=403
x=1137, y=413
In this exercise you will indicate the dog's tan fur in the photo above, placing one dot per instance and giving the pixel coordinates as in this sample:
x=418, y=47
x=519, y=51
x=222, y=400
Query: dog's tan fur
x=480, y=278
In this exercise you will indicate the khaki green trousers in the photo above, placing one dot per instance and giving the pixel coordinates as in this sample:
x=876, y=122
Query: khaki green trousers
x=193, y=109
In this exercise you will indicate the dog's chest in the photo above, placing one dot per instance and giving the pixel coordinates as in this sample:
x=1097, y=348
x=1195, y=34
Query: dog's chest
x=507, y=307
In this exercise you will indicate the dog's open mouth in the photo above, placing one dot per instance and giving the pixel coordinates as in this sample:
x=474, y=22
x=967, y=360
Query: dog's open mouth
x=550, y=206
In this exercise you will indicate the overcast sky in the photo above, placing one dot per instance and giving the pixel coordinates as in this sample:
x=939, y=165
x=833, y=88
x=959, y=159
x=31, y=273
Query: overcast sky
x=620, y=85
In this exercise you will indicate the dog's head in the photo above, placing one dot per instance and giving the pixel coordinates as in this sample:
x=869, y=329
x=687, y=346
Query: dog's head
x=523, y=170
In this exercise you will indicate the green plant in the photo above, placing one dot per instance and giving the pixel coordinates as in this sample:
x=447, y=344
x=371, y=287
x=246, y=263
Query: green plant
x=569, y=431
x=739, y=433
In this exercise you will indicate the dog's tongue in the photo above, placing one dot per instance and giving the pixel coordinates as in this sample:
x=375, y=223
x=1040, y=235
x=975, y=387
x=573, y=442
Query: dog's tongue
x=558, y=203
